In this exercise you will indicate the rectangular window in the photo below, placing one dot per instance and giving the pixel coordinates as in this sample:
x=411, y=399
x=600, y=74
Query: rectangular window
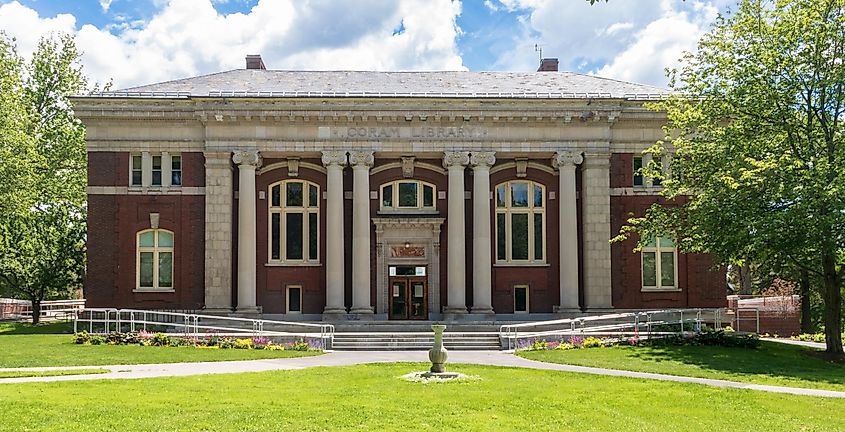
x=137, y=170
x=293, y=236
x=520, y=299
x=176, y=170
x=538, y=236
x=275, y=235
x=667, y=269
x=387, y=196
x=659, y=270
x=500, y=237
x=638, y=176
x=312, y=236
x=428, y=196
x=294, y=195
x=519, y=236
x=649, y=269
x=146, y=270
x=156, y=177
x=407, y=194
x=294, y=299
x=165, y=269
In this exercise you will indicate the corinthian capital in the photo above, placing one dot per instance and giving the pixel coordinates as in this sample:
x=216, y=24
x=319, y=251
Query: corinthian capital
x=482, y=159
x=563, y=159
x=455, y=159
x=361, y=158
x=334, y=157
x=250, y=157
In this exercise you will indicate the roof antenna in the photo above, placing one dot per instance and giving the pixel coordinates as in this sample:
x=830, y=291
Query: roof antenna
x=539, y=49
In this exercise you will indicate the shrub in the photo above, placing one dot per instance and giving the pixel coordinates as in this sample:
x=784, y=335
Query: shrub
x=96, y=340
x=539, y=345
x=728, y=329
x=160, y=339
x=575, y=341
x=274, y=347
x=300, y=345
x=565, y=346
x=226, y=342
x=81, y=338
x=592, y=342
x=243, y=344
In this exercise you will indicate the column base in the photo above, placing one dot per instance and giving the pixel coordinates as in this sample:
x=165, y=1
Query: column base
x=361, y=310
x=217, y=310
x=482, y=310
x=454, y=310
x=566, y=309
x=334, y=310
x=248, y=310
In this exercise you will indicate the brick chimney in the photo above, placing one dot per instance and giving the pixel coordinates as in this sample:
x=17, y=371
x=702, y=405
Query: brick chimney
x=253, y=61
x=548, y=65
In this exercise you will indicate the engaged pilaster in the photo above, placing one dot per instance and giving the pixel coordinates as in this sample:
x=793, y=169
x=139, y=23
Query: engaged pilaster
x=482, y=264
x=247, y=162
x=218, y=232
x=565, y=162
x=361, y=162
x=455, y=162
x=334, y=161
x=596, y=205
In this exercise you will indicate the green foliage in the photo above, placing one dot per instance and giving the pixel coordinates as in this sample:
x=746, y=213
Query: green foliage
x=160, y=339
x=756, y=122
x=592, y=342
x=299, y=345
x=245, y=343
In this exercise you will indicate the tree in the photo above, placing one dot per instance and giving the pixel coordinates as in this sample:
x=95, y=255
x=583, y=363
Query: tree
x=756, y=119
x=42, y=172
x=42, y=254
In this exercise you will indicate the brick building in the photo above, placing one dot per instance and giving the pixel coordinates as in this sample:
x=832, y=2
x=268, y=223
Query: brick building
x=392, y=195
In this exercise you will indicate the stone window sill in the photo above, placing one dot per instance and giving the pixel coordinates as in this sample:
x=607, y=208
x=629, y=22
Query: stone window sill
x=507, y=264
x=155, y=189
x=153, y=290
x=408, y=212
x=660, y=290
x=284, y=264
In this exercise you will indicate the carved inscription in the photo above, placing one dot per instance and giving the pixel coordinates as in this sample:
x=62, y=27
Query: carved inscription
x=416, y=132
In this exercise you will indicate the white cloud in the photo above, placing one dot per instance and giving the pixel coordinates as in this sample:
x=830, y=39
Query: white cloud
x=105, y=4
x=189, y=37
x=627, y=40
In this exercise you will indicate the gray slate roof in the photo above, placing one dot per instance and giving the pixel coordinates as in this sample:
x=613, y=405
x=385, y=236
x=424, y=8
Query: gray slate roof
x=274, y=83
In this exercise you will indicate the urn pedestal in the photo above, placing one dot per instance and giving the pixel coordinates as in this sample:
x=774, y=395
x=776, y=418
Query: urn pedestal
x=438, y=353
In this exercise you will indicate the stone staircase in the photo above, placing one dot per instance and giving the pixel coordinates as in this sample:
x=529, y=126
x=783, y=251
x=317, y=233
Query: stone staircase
x=414, y=341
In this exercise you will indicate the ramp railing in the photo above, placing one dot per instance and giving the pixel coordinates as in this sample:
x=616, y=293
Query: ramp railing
x=654, y=323
x=107, y=320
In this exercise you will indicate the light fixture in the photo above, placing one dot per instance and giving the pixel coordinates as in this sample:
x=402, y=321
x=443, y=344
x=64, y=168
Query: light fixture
x=407, y=245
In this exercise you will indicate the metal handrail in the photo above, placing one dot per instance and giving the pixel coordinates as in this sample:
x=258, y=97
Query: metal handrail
x=191, y=323
x=587, y=325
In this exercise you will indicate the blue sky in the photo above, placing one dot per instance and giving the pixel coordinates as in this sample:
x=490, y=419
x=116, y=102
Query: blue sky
x=134, y=42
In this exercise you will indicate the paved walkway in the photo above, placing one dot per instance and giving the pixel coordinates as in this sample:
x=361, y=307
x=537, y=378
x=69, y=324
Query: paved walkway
x=345, y=358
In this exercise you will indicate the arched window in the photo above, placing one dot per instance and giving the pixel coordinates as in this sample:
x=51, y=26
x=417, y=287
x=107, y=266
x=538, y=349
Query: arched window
x=154, y=261
x=408, y=195
x=294, y=222
x=520, y=222
x=659, y=264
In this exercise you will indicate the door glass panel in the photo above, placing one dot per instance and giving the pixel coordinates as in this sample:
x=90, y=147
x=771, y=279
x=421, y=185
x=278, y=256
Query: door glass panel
x=519, y=194
x=407, y=194
x=397, y=299
x=667, y=269
x=519, y=236
x=294, y=195
x=418, y=308
x=649, y=269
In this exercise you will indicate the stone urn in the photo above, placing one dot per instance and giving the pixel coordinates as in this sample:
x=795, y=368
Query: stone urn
x=438, y=354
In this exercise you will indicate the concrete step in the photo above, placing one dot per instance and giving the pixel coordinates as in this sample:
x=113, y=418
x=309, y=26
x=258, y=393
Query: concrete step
x=414, y=341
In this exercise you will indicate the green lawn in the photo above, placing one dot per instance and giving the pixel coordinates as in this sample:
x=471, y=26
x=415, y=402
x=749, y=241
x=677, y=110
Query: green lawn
x=49, y=373
x=372, y=397
x=772, y=363
x=23, y=345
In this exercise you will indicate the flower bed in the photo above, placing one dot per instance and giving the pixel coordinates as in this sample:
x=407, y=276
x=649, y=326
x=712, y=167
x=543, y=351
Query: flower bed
x=144, y=338
x=704, y=337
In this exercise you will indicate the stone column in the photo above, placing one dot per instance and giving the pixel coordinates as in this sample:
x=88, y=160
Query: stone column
x=247, y=161
x=455, y=162
x=218, y=232
x=361, y=162
x=565, y=161
x=595, y=193
x=334, y=162
x=482, y=246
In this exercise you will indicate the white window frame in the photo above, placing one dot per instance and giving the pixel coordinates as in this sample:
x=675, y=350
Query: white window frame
x=420, y=207
x=288, y=288
x=508, y=210
x=657, y=249
x=155, y=250
x=527, y=299
x=139, y=169
x=648, y=182
x=147, y=170
x=282, y=210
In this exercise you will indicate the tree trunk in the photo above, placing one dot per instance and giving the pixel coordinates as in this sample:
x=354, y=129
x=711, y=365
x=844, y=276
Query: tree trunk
x=806, y=313
x=746, y=287
x=832, y=305
x=36, y=311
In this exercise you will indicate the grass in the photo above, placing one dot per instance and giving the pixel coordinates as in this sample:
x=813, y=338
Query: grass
x=49, y=373
x=24, y=345
x=773, y=363
x=371, y=397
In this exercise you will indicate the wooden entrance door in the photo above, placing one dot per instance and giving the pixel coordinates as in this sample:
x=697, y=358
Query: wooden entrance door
x=408, y=298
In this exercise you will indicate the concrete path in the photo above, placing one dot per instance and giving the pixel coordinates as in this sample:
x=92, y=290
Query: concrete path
x=346, y=358
x=809, y=344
